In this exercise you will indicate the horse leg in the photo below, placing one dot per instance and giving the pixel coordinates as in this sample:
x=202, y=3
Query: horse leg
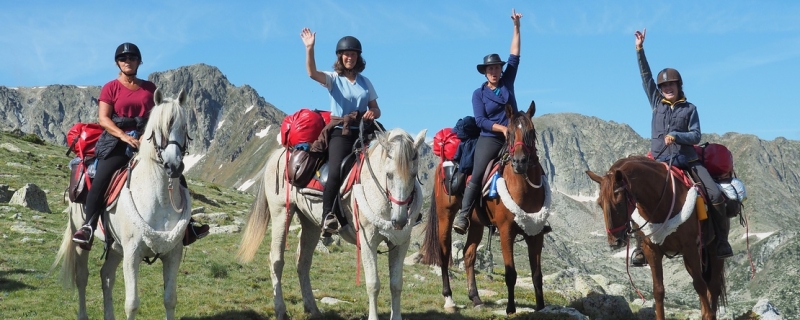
x=369, y=259
x=691, y=260
x=309, y=237
x=657, y=271
x=445, y=225
x=276, y=259
x=171, y=264
x=470, y=254
x=108, y=275
x=716, y=286
x=507, y=245
x=82, y=279
x=396, y=257
x=535, y=245
x=130, y=268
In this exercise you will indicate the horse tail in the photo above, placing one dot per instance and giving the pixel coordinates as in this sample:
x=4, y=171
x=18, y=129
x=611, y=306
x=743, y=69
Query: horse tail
x=431, y=249
x=68, y=253
x=723, y=296
x=256, y=227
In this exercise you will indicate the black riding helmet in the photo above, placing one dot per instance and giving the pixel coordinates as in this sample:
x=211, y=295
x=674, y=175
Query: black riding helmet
x=127, y=48
x=348, y=43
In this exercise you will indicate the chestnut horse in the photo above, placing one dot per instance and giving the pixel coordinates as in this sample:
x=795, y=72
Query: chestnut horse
x=521, y=209
x=637, y=184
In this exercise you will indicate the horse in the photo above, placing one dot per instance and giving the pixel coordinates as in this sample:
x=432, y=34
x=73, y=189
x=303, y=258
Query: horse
x=637, y=194
x=379, y=205
x=521, y=210
x=147, y=221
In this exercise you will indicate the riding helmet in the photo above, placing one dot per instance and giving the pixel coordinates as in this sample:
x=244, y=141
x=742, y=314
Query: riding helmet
x=348, y=43
x=669, y=75
x=127, y=48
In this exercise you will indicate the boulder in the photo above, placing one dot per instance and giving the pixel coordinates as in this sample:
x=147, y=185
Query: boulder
x=766, y=311
x=5, y=194
x=601, y=306
x=32, y=197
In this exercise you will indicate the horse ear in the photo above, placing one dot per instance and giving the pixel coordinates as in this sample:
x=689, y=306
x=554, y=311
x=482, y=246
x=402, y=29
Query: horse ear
x=158, y=97
x=531, y=109
x=182, y=97
x=420, y=139
x=509, y=111
x=594, y=176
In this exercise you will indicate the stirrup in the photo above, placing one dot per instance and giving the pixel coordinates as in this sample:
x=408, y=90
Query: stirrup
x=331, y=224
x=84, y=229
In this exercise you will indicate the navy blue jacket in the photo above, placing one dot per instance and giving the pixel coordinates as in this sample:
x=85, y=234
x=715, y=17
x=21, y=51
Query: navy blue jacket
x=490, y=108
x=467, y=131
x=679, y=120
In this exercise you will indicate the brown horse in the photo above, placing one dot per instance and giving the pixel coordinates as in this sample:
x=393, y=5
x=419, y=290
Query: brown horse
x=638, y=183
x=522, y=209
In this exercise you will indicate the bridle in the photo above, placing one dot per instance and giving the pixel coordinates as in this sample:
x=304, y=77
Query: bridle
x=630, y=206
x=164, y=143
x=363, y=149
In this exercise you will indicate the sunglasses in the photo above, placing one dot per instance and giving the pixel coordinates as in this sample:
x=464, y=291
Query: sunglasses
x=130, y=58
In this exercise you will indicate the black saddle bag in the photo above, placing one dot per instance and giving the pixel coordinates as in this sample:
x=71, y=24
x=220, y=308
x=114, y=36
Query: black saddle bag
x=454, y=180
x=301, y=167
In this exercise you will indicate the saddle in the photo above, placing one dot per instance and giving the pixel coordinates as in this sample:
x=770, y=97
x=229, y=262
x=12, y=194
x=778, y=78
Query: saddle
x=309, y=173
x=80, y=183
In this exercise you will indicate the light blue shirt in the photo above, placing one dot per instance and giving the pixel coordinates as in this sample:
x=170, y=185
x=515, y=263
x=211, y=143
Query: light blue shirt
x=346, y=96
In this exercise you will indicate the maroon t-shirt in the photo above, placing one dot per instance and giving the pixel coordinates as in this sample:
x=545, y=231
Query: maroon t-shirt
x=129, y=103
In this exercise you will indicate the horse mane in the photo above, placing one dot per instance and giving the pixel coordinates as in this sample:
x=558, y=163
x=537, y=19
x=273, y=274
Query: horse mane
x=162, y=117
x=403, y=155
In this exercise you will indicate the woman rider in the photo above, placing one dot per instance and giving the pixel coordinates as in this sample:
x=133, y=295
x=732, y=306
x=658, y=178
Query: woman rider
x=124, y=106
x=675, y=130
x=488, y=105
x=350, y=92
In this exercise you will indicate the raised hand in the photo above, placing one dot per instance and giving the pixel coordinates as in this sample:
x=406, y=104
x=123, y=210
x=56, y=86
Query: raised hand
x=640, y=37
x=308, y=37
x=515, y=17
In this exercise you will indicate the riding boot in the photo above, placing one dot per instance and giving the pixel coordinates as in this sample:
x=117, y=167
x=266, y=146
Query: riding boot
x=637, y=256
x=471, y=193
x=722, y=225
x=85, y=235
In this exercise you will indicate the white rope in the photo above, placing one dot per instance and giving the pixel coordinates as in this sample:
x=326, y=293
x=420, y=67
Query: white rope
x=371, y=211
x=158, y=241
x=531, y=223
x=657, y=232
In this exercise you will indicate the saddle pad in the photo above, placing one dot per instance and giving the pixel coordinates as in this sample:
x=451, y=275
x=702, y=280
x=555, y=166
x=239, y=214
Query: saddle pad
x=115, y=187
x=352, y=176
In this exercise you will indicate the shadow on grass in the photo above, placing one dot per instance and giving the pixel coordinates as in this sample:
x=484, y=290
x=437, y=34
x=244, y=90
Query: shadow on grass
x=7, y=285
x=428, y=315
x=232, y=315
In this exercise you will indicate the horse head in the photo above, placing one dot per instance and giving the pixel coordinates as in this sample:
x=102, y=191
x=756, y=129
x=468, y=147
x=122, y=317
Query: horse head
x=167, y=129
x=400, y=164
x=617, y=203
x=521, y=139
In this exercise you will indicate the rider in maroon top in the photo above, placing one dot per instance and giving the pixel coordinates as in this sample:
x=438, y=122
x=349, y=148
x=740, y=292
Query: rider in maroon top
x=124, y=106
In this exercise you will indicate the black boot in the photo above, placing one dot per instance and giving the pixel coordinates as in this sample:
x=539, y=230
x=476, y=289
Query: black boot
x=461, y=224
x=637, y=257
x=722, y=225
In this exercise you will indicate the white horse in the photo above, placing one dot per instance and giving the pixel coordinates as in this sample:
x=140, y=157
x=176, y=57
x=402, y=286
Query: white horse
x=387, y=197
x=148, y=220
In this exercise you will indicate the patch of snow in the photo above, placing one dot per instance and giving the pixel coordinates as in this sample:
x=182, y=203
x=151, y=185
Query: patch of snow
x=246, y=185
x=581, y=198
x=759, y=236
x=191, y=160
x=263, y=133
x=82, y=87
x=219, y=125
x=220, y=167
x=14, y=88
x=249, y=108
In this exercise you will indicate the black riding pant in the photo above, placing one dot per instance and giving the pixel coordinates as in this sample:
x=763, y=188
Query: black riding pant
x=486, y=149
x=339, y=147
x=95, y=200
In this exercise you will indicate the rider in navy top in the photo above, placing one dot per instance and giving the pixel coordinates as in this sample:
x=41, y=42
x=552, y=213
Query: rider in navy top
x=488, y=106
x=675, y=129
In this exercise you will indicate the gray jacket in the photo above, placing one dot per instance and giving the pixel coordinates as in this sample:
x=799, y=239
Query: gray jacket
x=679, y=120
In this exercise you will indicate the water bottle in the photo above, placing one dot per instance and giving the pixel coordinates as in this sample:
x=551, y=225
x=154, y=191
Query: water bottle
x=92, y=169
x=493, y=186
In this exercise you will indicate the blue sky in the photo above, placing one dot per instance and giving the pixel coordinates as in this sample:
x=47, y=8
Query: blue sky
x=739, y=59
